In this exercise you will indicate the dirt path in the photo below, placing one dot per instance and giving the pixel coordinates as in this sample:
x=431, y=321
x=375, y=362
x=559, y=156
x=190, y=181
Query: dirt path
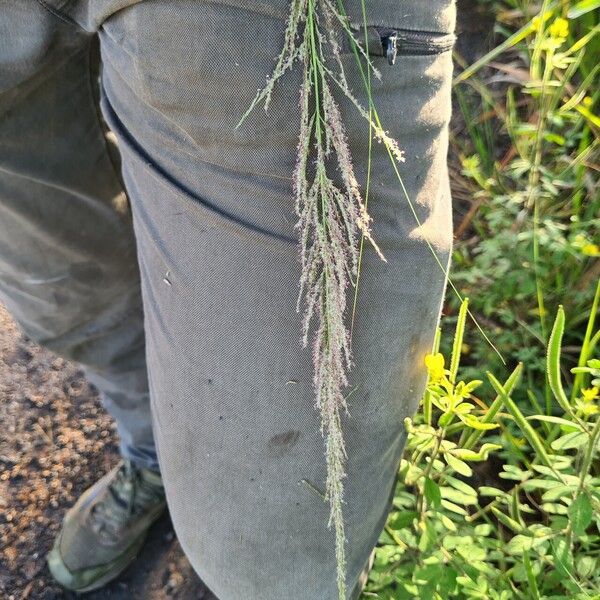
x=55, y=441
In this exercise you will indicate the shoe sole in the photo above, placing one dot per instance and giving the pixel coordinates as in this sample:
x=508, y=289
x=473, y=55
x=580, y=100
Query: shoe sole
x=109, y=571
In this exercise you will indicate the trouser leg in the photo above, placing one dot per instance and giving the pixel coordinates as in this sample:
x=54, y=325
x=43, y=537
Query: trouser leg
x=68, y=270
x=237, y=433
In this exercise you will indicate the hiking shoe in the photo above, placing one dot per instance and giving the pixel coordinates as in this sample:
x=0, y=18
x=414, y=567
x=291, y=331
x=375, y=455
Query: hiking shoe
x=103, y=532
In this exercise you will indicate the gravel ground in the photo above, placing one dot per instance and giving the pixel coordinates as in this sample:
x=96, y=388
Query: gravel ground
x=55, y=441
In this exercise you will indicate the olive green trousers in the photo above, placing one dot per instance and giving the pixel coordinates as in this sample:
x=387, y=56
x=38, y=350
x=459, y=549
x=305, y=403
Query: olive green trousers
x=170, y=269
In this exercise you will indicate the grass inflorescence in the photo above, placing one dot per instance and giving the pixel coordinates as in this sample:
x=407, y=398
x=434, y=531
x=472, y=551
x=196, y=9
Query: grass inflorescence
x=333, y=221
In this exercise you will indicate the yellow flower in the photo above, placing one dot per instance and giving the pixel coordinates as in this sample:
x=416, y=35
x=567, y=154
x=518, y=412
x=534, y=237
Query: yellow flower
x=535, y=24
x=560, y=28
x=587, y=102
x=435, y=366
x=591, y=250
x=589, y=409
x=589, y=394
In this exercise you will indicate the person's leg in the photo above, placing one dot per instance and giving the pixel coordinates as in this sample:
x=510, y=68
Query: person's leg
x=68, y=268
x=238, y=436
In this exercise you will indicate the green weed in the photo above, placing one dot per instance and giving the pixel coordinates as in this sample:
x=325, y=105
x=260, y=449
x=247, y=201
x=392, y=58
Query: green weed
x=492, y=502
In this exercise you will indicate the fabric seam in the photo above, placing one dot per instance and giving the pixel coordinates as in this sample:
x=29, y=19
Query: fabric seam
x=57, y=13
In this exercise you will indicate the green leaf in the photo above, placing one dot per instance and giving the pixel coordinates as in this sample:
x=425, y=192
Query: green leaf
x=402, y=519
x=506, y=520
x=581, y=513
x=461, y=486
x=483, y=530
x=558, y=492
x=427, y=574
x=458, y=497
x=550, y=419
x=459, y=510
x=562, y=557
x=575, y=439
x=488, y=490
x=519, y=544
x=450, y=542
x=432, y=493
x=552, y=472
x=472, y=386
x=586, y=566
x=513, y=472
x=582, y=7
x=475, y=423
x=458, y=465
x=428, y=537
x=448, y=523
x=471, y=552
x=540, y=484
x=554, y=508
x=445, y=419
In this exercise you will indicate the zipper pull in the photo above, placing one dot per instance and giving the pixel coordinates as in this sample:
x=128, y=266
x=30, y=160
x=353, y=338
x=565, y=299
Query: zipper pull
x=390, y=47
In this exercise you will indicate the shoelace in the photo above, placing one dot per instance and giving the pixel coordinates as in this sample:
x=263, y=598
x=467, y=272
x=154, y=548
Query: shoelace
x=128, y=495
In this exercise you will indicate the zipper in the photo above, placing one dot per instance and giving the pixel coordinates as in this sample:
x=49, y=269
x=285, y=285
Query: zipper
x=391, y=43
